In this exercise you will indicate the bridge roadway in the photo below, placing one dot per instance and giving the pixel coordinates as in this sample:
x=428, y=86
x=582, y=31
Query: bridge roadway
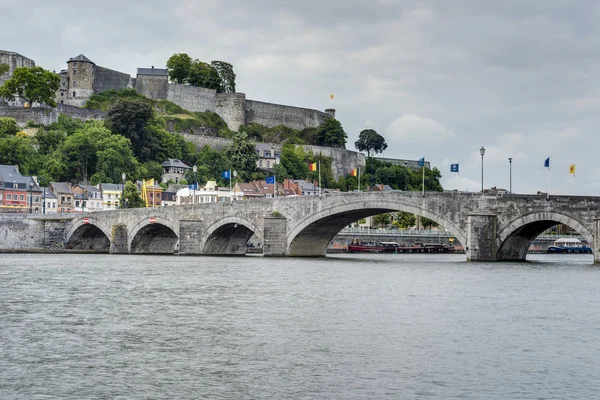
x=489, y=227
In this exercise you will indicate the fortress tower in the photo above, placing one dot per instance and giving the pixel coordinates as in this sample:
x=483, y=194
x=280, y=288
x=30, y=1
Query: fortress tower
x=77, y=82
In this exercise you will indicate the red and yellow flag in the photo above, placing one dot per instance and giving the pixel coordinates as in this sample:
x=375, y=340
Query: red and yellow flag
x=354, y=172
x=312, y=167
x=572, y=169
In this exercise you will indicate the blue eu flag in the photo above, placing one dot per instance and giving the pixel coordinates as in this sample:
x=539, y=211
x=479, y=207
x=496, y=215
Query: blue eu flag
x=225, y=174
x=422, y=162
x=193, y=186
x=453, y=167
x=270, y=180
x=547, y=163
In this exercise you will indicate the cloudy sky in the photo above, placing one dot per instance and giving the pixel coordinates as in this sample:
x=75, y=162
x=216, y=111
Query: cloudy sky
x=438, y=79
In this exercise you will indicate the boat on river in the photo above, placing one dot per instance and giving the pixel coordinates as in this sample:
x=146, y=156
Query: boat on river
x=358, y=246
x=568, y=245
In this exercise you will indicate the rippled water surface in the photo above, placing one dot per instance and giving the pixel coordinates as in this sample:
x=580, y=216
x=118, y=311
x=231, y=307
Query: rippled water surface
x=344, y=327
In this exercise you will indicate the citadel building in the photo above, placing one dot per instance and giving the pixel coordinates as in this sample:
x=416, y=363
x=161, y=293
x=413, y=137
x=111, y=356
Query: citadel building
x=83, y=77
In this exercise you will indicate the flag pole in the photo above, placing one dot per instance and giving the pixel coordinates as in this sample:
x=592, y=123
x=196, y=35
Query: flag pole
x=230, y=184
x=548, y=185
x=423, y=183
x=274, y=185
x=358, y=179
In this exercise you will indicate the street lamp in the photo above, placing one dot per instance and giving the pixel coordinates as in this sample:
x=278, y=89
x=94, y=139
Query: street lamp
x=482, y=152
x=510, y=175
x=123, y=176
x=195, y=183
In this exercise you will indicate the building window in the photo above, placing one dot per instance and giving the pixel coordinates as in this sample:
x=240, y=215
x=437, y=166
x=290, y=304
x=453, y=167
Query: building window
x=74, y=72
x=22, y=197
x=8, y=196
x=73, y=94
x=74, y=84
x=61, y=94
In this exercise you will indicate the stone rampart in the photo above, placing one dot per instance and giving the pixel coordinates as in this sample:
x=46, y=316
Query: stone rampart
x=108, y=79
x=271, y=115
x=46, y=115
x=230, y=107
x=192, y=98
x=153, y=87
x=19, y=232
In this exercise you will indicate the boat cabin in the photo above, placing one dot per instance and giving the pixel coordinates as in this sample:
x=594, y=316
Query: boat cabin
x=568, y=242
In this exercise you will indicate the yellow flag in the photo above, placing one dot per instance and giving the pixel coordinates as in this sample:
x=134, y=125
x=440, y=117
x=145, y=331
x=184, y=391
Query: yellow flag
x=150, y=182
x=331, y=96
x=572, y=169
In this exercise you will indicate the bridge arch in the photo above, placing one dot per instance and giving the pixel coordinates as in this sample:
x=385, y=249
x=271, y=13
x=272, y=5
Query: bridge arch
x=516, y=236
x=154, y=235
x=229, y=236
x=87, y=233
x=311, y=235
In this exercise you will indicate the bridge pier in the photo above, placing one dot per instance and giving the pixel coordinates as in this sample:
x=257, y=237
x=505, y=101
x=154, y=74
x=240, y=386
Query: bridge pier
x=118, y=240
x=596, y=244
x=481, y=237
x=275, y=236
x=190, y=237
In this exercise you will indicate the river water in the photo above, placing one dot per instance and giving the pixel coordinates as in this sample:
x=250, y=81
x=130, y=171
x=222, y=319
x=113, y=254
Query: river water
x=343, y=327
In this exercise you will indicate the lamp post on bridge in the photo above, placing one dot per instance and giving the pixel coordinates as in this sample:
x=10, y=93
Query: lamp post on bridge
x=482, y=152
x=510, y=175
x=123, y=176
x=195, y=184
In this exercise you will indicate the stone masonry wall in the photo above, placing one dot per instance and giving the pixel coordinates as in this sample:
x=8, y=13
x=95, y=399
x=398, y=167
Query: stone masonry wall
x=108, y=79
x=231, y=107
x=45, y=115
x=271, y=115
x=192, y=98
x=18, y=232
x=153, y=87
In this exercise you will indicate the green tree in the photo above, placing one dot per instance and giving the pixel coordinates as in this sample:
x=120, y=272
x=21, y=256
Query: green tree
x=242, y=154
x=178, y=67
x=130, y=118
x=226, y=75
x=49, y=141
x=369, y=140
x=4, y=68
x=151, y=169
x=382, y=220
x=204, y=75
x=18, y=150
x=114, y=156
x=34, y=85
x=214, y=161
x=331, y=134
x=293, y=160
x=8, y=127
x=405, y=220
x=427, y=223
x=131, y=197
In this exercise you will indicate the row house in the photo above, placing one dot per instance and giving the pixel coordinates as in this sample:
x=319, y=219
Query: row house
x=18, y=193
x=153, y=193
x=268, y=156
x=87, y=197
x=111, y=195
x=210, y=193
x=65, y=196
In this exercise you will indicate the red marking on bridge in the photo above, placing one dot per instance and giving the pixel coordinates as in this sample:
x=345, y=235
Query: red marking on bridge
x=86, y=221
x=152, y=220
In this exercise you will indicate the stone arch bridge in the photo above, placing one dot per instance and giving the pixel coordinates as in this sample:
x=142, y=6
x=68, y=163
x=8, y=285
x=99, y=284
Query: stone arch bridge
x=489, y=227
